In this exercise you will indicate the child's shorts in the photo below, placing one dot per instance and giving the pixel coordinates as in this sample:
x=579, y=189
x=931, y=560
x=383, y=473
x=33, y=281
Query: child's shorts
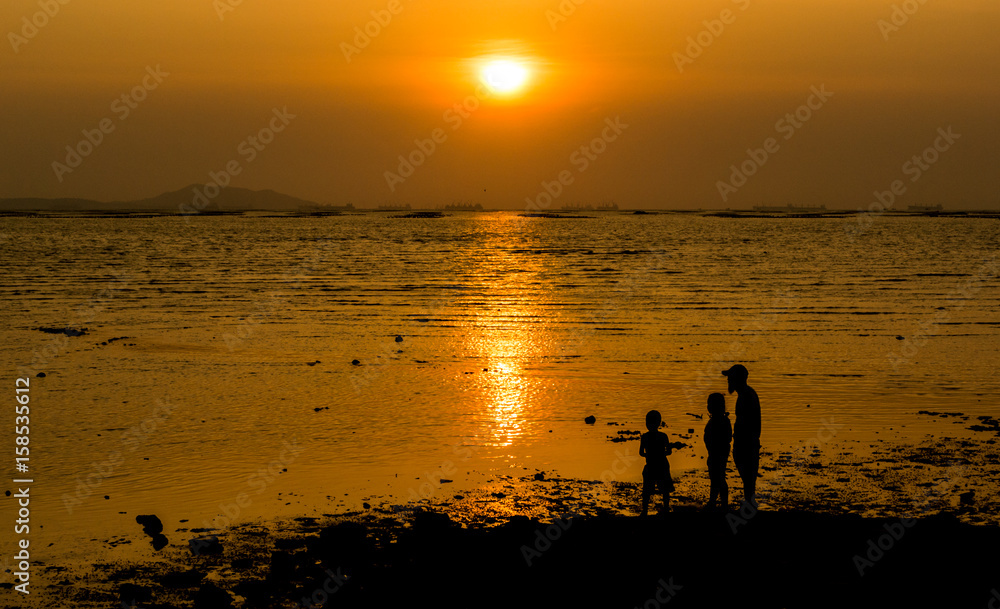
x=657, y=478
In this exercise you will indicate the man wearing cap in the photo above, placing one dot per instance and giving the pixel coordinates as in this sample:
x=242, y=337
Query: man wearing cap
x=746, y=430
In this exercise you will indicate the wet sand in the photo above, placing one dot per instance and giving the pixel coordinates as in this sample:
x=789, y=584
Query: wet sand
x=897, y=525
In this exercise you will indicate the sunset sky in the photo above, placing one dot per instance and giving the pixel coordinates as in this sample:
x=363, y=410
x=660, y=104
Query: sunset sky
x=661, y=116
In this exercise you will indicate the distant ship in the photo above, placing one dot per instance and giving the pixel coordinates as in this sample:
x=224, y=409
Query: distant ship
x=789, y=208
x=463, y=207
x=924, y=208
x=394, y=207
x=609, y=206
x=572, y=207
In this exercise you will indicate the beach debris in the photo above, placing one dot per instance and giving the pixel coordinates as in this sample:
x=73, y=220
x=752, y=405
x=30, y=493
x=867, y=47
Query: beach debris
x=345, y=544
x=205, y=545
x=590, y=420
x=355, y=362
x=40, y=375
x=258, y=593
x=68, y=331
x=152, y=526
x=697, y=416
x=130, y=594
x=210, y=596
x=313, y=363
x=399, y=338
x=321, y=408
x=900, y=338
x=182, y=579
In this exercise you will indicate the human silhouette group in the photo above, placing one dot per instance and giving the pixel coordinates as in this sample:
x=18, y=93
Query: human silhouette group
x=744, y=435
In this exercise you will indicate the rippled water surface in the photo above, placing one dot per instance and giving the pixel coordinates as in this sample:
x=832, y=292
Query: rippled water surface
x=233, y=378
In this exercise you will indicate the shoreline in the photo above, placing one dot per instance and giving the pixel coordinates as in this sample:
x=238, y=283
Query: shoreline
x=575, y=555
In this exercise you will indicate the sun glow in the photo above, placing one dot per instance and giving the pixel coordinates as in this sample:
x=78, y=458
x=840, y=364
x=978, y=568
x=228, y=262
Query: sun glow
x=505, y=76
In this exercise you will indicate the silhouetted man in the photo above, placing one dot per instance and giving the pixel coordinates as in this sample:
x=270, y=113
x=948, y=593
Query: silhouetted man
x=746, y=430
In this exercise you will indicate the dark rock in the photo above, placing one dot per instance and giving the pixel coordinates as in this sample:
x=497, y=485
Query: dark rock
x=399, y=339
x=290, y=543
x=130, y=594
x=210, y=596
x=540, y=476
x=205, y=545
x=257, y=593
x=151, y=524
x=355, y=362
x=182, y=579
x=67, y=331
x=282, y=566
x=428, y=520
x=343, y=544
x=590, y=420
x=160, y=541
x=967, y=498
x=40, y=375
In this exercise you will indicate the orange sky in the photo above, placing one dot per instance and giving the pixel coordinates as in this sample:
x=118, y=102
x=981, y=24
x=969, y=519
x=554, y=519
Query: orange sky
x=223, y=69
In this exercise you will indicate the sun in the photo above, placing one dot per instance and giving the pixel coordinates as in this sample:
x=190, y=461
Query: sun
x=505, y=76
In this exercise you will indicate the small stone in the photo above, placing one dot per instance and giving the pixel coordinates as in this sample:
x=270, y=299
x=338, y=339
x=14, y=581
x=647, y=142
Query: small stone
x=40, y=375
x=399, y=338
x=590, y=420
x=355, y=362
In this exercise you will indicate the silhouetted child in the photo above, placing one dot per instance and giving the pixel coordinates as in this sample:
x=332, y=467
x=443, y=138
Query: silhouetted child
x=655, y=446
x=718, y=434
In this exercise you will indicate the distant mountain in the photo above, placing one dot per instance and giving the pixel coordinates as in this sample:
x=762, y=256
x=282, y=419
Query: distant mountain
x=192, y=199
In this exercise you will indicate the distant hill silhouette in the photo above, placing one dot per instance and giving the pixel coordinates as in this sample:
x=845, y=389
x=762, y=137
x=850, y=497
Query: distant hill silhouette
x=227, y=199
